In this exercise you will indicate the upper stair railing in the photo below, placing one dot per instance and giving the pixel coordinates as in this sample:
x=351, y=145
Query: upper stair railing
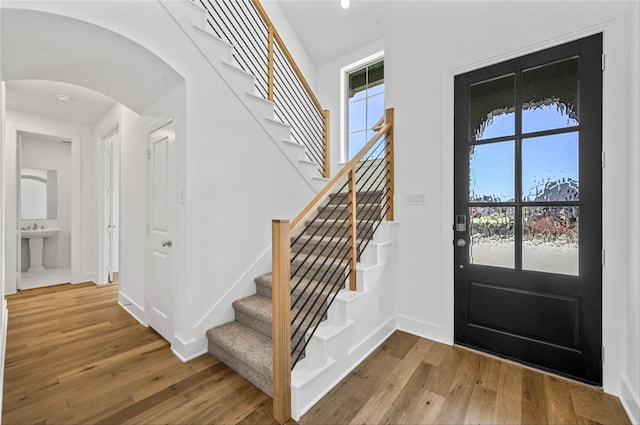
x=259, y=50
x=315, y=255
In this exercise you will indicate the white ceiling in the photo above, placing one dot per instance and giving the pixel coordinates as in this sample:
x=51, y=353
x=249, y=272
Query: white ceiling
x=36, y=45
x=341, y=31
x=328, y=31
x=41, y=97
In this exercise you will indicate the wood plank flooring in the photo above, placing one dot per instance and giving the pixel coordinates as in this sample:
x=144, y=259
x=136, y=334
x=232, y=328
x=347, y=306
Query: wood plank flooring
x=75, y=357
x=410, y=380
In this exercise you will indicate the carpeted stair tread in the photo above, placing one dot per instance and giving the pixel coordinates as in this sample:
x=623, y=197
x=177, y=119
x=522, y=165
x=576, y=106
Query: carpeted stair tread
x=256, y=305
x=255, y=311
x=322, y=244
x=244, y=350
x=320, y=267
x=264, y=284
x=340, y=227
x=341, y=210
x=341, y=198
x=336, y=222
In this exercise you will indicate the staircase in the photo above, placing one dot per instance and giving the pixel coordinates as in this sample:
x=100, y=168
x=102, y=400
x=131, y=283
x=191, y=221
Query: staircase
x=332, y=328
x=245, y=344
x=221, y=56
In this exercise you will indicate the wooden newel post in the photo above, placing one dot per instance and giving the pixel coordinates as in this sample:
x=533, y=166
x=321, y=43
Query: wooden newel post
x=390, y=164
x=270, y=36
x=281, y=299
x=326, y=170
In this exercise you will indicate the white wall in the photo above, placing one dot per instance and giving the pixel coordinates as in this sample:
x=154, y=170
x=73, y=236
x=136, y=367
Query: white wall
x=83, y=190
x=420, y=87
x=425, y=45
x=50, y=155
x=130, y=159
x=3, y=303
x=328, y=83
x=630, y=380
x=232, y=179
x=295, y=47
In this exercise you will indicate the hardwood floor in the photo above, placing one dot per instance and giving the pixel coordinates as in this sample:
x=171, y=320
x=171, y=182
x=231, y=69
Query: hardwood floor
x=410, y=380
x=75, y=357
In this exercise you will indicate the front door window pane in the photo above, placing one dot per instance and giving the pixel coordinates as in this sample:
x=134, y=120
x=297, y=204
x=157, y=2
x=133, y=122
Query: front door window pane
x=492, y=108
x=491, y=171
x=550, y=237
x=550, y=96
x=550, y=168
x=492, y=241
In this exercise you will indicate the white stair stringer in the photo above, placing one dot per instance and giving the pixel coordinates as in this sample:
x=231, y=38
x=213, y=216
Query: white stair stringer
x=358, y=322
x=219, y=54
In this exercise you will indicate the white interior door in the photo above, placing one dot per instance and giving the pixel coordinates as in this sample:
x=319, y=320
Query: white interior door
x=18, y=239
x=159, y=274
x=112, y=208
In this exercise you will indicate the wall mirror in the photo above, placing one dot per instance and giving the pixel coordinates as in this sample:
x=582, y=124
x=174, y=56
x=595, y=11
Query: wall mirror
x=38, y=194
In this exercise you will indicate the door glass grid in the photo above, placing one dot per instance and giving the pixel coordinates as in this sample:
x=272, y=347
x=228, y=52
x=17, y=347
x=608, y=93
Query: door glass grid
x=550, y=239
x=550, y=168
x=491, y=172
x=492, y=237
x=550, y=96
x=537, y=229
x=492, y=108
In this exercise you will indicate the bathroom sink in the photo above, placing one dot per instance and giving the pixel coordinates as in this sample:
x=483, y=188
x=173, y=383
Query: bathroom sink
x=36, y=246
x=30, y=234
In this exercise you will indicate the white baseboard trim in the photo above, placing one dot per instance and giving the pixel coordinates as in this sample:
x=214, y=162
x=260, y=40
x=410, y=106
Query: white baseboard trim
x=189, y=358
x=85, y=277
x=132, y=308
x=355, y=357
x=420, y=328
x=630, y=402
x=3, y=346
x=188, y=350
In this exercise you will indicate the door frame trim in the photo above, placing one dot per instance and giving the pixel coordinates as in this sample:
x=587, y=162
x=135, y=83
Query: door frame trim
x=103, y=245
x=171, y=214
x=11, y=219
x=613, y=29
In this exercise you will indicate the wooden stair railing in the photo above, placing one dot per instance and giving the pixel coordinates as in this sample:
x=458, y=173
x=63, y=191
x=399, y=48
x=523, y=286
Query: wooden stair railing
x=260, y=50
x=377, y=153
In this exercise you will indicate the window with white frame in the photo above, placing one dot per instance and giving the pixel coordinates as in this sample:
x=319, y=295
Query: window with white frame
x=364, y=104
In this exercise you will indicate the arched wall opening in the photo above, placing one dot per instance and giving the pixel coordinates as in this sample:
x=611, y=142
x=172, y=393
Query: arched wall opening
x=37, y=45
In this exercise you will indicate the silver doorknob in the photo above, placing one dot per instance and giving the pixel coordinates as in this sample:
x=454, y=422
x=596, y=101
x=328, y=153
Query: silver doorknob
x=167, y=244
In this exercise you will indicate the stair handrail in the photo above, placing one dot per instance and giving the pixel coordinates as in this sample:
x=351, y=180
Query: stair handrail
x=349, y=167
x=297, y=116
x=275, y=36
x=282, y=231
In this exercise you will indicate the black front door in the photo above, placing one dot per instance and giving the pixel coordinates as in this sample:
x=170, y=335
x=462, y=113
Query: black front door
x=528, y=209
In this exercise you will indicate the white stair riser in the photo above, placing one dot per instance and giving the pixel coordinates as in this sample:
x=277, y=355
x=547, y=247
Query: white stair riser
x=337, y=346
x=240, y=81
x=192, y=18
x=295, y=151
x=211, y=45
x=187, y=11
x=259, y=106
x=333, y=344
